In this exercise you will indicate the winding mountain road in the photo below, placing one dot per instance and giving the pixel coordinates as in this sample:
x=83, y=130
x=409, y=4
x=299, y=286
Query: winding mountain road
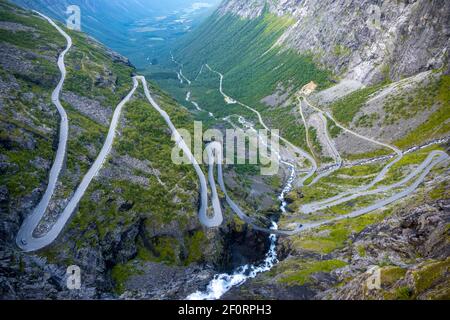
x=35, y=217
x=25, y=238
x=215, y=154
x=381, y=175
x=434, y=158
x=305, y=124
x=296, y=149
x=217, y=218
x=27, y=242
x=339, y=162
x=422, y=167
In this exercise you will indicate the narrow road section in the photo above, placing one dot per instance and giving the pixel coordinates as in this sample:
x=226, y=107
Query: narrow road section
x=35, y=217
x=217, y=218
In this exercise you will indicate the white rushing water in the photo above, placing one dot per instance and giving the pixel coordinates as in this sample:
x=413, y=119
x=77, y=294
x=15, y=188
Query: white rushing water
x=222, y=283
x=288, y=188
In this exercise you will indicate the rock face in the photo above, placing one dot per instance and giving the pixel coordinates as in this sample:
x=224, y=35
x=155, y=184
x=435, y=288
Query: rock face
x=410, y=249
x=361, y=40
x=416, y=245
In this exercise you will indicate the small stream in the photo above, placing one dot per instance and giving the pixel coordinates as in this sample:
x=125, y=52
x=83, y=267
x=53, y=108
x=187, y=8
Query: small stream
x=222, y=283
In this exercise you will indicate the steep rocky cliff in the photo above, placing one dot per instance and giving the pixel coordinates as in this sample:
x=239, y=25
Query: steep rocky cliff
x=402, y=254
x=362, y=40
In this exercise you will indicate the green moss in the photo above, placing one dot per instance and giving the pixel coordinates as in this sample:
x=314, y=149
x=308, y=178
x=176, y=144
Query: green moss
x=390, y=275
x=196, y=243
x=430, y=274
x=345, y=109
x=341, y=51
x=165, y=250
x=299, y=273
x=362, y=251
x=440, y=192
x=403, y=293
x=121, y=273
x=143, y=254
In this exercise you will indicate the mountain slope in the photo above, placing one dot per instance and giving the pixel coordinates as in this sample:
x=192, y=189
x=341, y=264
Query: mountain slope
x=241, y=49
x=139, y=212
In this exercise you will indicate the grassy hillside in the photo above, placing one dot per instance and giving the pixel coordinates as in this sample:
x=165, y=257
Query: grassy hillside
x=244, y=51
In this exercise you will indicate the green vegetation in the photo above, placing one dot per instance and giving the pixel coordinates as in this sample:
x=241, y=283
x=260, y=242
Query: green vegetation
x=367, y=120
x=390, y=275
x=430, y=281
x=144, y=138
x=329, y=238
x=442, y=191
x=334, y=184
x=121, y=273
x=195, y=245
x=345, y=109
x=121, y=197
x=437, y=124
x=299, y=272
x=247, y=169
x=285, y=120
x=403, y=293
x=25, y=39
x=250, y=58
x=403, y=167
x=244, y=51
x=431, y=273
x=362, y=251
x=22, y=143
x=341, y=51
x=406, y=106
